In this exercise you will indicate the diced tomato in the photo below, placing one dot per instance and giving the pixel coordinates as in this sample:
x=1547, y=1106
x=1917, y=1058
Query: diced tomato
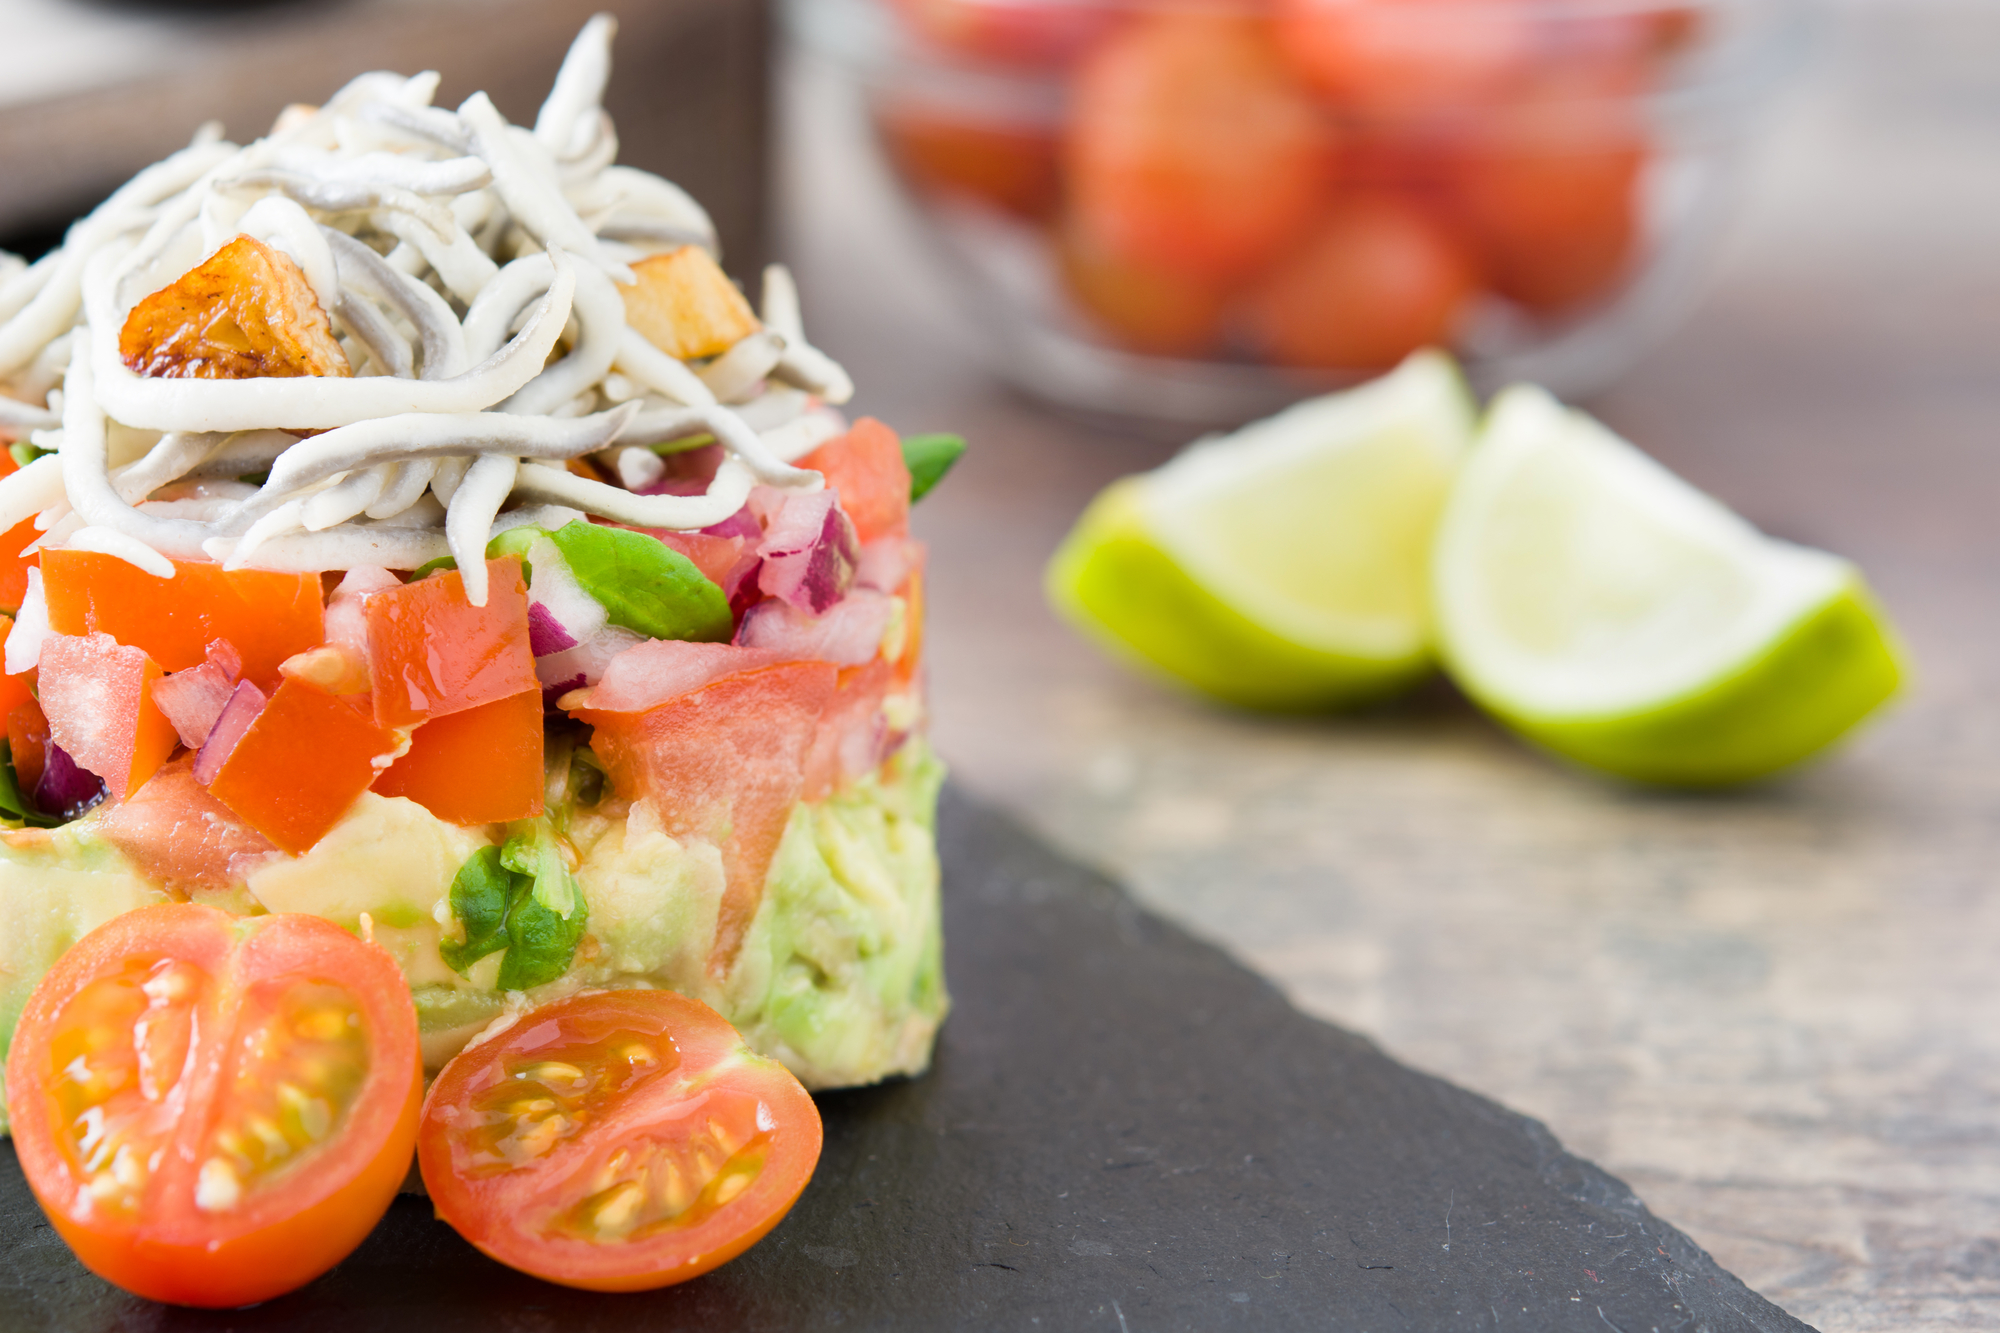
x=616, y=1141
x=911, y=659
x=1190, y=149
x=28, y=744
x=97, y=694
x=432, y=653
x=300, y=766
x=1401, y=59
x=1149, y=309
x=865, y=468
x=14, y=690
x=849, y=741
x=177, y=833
x=725, y=762
x=214, y=1110
x=1011, y=166
x=266, y=616
x=14, y=566
x=1380, y=279
x=479, y=766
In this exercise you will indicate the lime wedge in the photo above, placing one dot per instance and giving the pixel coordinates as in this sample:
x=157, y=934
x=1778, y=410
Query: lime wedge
x=1614, y=614
x=1283, y=566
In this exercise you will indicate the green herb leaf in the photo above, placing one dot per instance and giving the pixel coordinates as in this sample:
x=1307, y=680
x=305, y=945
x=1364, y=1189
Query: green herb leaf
x=929, y=457
x=24, y=453
x=681, y=445
x=516, y=541
x=13, y=805
x=644, y=584
x=430, y=567
x=545, y=923
x=480, y=892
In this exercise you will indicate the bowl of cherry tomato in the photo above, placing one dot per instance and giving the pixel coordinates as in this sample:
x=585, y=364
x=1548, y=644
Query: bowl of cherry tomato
x=1201, y=211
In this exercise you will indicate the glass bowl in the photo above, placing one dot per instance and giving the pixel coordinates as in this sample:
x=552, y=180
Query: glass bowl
x=1198, y=212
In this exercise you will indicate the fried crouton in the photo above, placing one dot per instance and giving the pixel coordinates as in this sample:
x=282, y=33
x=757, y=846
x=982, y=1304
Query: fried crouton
x=686, y=306
x=244, y=312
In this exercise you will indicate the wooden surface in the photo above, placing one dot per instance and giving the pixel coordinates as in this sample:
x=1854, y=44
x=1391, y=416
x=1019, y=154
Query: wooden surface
x=1777, y=1013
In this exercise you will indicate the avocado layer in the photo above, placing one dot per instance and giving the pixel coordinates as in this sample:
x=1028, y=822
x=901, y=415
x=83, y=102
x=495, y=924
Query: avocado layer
x=840, y=975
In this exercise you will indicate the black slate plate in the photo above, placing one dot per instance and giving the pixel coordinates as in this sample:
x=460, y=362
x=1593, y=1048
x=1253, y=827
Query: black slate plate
x=1125, y=1131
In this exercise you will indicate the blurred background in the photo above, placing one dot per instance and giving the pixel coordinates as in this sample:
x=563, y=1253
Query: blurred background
x=1775, y=1013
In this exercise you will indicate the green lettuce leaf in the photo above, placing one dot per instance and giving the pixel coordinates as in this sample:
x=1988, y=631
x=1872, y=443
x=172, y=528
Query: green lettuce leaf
x=929, y=457
x=519, y=897
x=644, y=584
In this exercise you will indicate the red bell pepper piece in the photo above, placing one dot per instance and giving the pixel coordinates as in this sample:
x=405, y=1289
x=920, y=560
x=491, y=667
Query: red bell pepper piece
x=432, y=653
x=300, y=765
x=479, y=766
x=266, y=616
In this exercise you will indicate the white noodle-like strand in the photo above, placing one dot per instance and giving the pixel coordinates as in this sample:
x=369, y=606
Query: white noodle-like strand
x=407, y=484
x=487, y=484
x=30, y=491
x=110, y=541
x=725, y=496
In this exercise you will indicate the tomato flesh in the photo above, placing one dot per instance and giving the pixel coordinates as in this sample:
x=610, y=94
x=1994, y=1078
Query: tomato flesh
x=480, y=766
x=211, y=1110
x=266, y=617
x=616, y=1141
x=865, y=469
x=98, y=698
x=1012, y=167
x=431, y=652
x=301, y=764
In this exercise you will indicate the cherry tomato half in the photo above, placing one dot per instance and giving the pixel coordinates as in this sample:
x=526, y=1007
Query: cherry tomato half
x=1146, y=309
x=1010, y=166
x=1191, y=150
x=1379, y=279
x=214, y=1110
x=616, y=1141
x=1405, y=59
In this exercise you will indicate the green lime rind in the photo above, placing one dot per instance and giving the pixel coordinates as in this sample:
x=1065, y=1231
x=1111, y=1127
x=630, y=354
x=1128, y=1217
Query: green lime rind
x=1810, y=686
x=1111, y=580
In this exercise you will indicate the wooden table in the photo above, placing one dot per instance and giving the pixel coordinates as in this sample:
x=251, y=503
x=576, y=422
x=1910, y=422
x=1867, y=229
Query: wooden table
x=1775, y=1013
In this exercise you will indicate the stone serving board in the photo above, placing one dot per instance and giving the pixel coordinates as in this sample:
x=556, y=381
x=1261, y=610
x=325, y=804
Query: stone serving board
x=1124, y=1131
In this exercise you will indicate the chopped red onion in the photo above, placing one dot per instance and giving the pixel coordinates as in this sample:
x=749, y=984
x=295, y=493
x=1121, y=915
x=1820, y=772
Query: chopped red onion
x=742, y=524
x=809, y=552
x=545, y=633
x=193, y=699
x=847, y=634
x=656, y=670
x=242, y=709
x=589, y=658
x=65, y=788
x=886, y=562
x=346, y=622
x=222, y=655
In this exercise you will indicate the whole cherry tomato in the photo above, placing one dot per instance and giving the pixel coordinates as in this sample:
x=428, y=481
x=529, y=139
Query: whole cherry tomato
x=1146, y=309
x=1407, y=59
x=1191, y=150
x=617, y=1141
x=1035, y=34
x=1011, y=166
x=1551, y=191
x=1377, y=280
x=215, y=1110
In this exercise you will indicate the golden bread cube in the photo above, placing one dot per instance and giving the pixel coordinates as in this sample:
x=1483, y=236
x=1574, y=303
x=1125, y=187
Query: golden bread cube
x=244, y=312
x=686, y=306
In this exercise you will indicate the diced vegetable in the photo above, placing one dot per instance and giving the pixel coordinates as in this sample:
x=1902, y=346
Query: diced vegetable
x=244, y=312
x=653, y=672
x=686, y=306
x=809, y=552
x=479, y=766
x=14, y=690
x=432, y=653
x=585, y=664
x=193, y=699
x=546, y=634
x=265, y=616
x=300, y=765
x=66, y=789
x=724, y=762
x=929, y=457
x=177, y=833
x=718, y=558
x=847, y=633
x=98, y=695
x=642, y=584
x=852, y=738
x=14, y=566
x=866, y=469
x=246, y=701
x=28, y=743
